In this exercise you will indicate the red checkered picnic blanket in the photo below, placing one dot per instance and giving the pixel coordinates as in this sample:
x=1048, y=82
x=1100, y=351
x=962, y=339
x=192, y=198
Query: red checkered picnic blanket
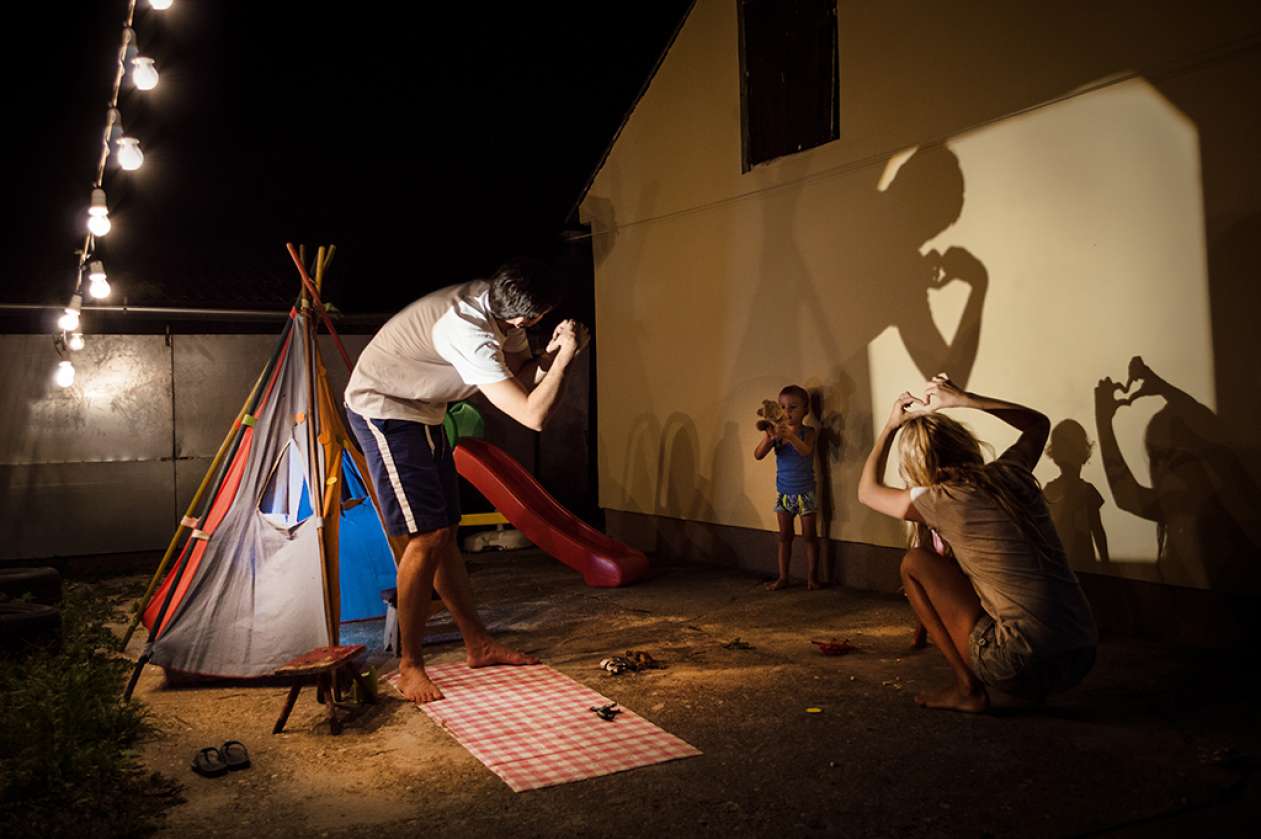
x=533, y=727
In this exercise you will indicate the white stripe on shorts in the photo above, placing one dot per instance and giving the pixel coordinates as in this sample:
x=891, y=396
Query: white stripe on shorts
x=388, y=459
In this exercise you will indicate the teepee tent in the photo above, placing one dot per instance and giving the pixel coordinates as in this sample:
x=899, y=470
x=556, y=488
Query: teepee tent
x=288, y=541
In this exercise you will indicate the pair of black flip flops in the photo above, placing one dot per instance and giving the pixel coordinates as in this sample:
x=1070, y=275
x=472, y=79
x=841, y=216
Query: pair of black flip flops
x=212, y=762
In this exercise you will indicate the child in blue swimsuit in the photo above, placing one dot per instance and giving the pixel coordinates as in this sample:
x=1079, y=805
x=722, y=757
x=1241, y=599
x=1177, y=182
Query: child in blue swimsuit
x=793, y=442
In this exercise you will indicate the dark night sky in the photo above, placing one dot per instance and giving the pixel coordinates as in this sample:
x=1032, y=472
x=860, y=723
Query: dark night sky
x=427, y=144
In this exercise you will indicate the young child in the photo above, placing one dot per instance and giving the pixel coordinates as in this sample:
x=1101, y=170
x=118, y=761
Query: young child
x=793, y=442
x=1008, y=613
x=1075, y=503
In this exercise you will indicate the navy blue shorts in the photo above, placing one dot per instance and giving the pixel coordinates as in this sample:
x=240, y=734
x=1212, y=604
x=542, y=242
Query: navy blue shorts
x=413, y=472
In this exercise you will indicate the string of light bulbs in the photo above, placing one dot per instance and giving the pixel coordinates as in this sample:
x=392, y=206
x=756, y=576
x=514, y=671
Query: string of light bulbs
x=128, y=155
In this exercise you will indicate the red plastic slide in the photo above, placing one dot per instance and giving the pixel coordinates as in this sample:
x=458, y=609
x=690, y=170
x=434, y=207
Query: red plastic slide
x=602, y=561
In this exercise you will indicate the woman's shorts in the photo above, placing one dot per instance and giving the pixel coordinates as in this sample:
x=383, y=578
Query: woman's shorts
x=796, y=504
x=1014, y=669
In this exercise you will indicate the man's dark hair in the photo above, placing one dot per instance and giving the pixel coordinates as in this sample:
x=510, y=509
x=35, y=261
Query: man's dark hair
x=522, y=287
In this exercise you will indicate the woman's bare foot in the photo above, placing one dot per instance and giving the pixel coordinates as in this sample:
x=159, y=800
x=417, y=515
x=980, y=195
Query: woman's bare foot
x=415, y=684
x=486, y=653
x=776, y=585
x=956, y=698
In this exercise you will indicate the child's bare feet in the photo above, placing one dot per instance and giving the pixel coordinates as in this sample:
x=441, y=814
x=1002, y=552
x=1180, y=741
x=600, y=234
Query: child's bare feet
x=812, y=584
x=956, y=698
x=415, y=684
x=486, y=652
x=776, y=585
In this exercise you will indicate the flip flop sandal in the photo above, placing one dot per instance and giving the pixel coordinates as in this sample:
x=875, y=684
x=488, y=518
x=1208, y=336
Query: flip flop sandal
x=235, y=755
x=209, y=763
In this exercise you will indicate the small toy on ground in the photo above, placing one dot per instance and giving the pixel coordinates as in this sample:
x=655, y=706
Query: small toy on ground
x=617, y=665
x=634, y=661
x=834, y=647
x=607, y=712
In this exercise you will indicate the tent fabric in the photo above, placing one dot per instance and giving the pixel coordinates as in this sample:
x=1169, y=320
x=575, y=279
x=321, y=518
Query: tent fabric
x=294, y=546
x=364, y=547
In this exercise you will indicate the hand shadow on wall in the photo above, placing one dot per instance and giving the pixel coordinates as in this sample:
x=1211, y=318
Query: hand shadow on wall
x=1075, y=503
x=1203, y=501
x=880, y=278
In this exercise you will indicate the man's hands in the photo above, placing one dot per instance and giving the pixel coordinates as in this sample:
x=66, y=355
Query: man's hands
x=569, y=337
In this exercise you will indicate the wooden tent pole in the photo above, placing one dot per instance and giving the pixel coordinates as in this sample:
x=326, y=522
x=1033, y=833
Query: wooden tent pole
x=316, y=479
x=319, y=270
x=319, y=305
x=192, y=508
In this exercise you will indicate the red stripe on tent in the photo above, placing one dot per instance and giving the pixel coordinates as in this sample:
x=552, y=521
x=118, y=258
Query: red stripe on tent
x=219, y=508
x=222, y=503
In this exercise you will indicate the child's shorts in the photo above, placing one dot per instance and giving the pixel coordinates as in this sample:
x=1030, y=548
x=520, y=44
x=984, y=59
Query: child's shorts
x=796, y=504
x=1014, y=669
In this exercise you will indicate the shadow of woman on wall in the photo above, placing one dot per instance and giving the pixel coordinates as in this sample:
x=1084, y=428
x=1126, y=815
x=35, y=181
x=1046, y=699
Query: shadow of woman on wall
x=1204, y=503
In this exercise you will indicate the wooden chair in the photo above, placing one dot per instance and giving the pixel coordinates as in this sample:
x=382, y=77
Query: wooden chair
x=332, y=669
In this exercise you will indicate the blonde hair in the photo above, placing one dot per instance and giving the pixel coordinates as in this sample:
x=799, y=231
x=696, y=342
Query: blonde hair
x=935, y=450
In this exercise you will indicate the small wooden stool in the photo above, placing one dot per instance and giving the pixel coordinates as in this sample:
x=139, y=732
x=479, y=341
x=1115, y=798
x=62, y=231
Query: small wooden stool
x=325, y=664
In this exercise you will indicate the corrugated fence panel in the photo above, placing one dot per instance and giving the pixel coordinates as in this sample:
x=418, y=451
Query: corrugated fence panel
x=119, y=407
x=213, y=375
x=77, y=509
x=85, y=469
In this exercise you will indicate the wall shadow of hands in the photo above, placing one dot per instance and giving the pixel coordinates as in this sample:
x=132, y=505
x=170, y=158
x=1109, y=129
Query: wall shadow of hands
x=924, y=199
x=879, y=278
x=1202, y=499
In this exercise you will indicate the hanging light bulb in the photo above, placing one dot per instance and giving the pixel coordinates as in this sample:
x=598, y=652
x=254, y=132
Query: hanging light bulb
x=129, y=155
x=159, y=5
x=98, y=214
x=144, y=74
x=98, y=285
x=69, y=320
x=64, y=377
x=75, y=341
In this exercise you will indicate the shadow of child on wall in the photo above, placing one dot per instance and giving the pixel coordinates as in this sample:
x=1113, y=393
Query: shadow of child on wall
x=828, y=449
x=1075, y=503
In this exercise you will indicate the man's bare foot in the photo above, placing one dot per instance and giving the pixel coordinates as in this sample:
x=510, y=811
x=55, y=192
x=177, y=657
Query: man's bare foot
x=487, y=653
x=776, y=585
x=956, y=698
x=812, y=584
x=415, y=684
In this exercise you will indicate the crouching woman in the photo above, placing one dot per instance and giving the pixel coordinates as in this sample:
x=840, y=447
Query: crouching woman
x=1001, y=602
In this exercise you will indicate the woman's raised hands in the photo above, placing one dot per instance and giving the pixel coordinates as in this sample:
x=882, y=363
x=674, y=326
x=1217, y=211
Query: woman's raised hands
x=940, y=392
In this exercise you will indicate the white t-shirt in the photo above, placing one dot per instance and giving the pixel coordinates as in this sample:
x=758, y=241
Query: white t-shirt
x=435, y=351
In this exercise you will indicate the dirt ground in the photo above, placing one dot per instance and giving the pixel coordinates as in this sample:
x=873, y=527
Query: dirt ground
x=1157, y=741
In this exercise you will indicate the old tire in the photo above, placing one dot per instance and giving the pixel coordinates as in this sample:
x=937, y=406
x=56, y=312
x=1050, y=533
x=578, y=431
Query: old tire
x=25, y=625
x=42, y=584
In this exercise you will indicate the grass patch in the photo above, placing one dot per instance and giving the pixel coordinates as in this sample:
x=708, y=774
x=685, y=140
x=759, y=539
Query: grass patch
x=68, y=759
